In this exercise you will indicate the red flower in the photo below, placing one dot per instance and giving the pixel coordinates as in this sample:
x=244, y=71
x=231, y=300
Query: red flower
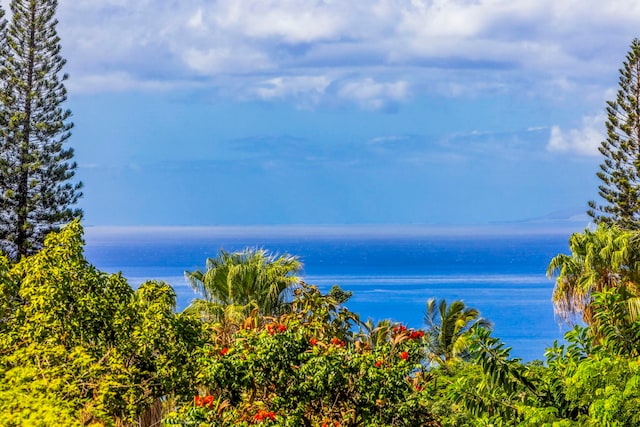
x=262, y=415
x=224, y=351
x=378, y=363
x=416, y=335
x=336, y=341
x=404, y=355
x=273, y=328
x=203, y=401
x=313, y=341
x=399, y=328
x=208, y=401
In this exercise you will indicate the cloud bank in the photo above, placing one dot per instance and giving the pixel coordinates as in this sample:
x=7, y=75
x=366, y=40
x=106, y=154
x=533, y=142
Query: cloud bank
x=372, y=53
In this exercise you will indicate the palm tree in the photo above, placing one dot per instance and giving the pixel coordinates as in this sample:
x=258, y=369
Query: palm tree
x=606, y=258
x=235, y=284
x=372, y=336
x=450, y=330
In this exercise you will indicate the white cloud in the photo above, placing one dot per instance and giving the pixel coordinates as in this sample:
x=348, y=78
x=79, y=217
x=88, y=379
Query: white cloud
x=388, y=139
x=290, y=21
x=196, y=21
x=307, y=90
x=456, y=47
x=122, y=82
x=584, y=140
x=373, y=95
x=225, y=60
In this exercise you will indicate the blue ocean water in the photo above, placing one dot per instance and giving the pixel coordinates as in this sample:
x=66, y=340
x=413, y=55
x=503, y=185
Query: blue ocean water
x=392, y=273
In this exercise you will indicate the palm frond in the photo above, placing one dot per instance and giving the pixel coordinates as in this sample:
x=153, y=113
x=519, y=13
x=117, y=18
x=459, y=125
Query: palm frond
x=245, y=280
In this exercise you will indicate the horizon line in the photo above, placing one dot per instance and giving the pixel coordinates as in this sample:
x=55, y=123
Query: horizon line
x=346, y=230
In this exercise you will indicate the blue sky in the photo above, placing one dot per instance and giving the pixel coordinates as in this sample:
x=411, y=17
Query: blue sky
x=235, y=112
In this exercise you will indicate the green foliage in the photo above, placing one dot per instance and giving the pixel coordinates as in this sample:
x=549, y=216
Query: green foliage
x=606, y=258
x=591, y=387
x=65, y=300
x=449, y=330
x=599, y=282
x=581, y=385
x=36, y=195
x=620, y=169
x=234, y=284
x=496, y=389
x=615, y=327
x=28, y=399
x=108, y=353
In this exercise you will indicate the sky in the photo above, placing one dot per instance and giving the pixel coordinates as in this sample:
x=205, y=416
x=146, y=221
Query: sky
x=270, y=112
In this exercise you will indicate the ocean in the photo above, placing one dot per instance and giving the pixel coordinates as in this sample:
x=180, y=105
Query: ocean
x=392, y=271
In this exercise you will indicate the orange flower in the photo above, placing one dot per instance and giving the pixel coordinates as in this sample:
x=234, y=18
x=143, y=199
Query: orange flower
x=313, y=341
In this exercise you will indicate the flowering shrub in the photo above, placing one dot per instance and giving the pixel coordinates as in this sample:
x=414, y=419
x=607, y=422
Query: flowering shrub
x=308, y=368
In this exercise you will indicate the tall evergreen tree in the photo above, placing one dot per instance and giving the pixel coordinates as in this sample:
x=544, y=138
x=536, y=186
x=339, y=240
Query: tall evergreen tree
x=36, y=192
x=620, y=170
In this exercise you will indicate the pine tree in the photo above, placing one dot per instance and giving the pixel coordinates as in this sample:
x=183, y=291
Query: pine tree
x=36, y=192
x=620, y=170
